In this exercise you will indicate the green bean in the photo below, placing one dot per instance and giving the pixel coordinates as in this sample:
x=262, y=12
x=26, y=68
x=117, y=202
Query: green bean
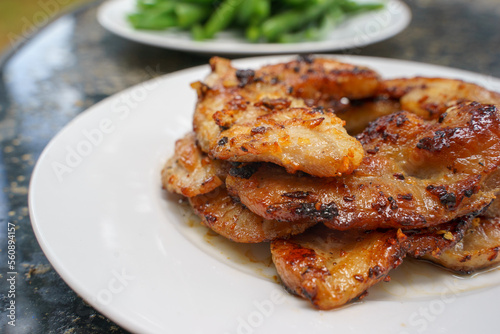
x=292, y=19
x=152, y=21
x=221, y=18
x=262, y=10
x=197, y=32
x=253, y=11
x=352, y=7
x=244, y=13
x=188, y=14
x=253, y=33
x=332, y=18
x=328, y=22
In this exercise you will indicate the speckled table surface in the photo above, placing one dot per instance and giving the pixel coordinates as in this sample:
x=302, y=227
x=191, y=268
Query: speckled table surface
x=74, y=63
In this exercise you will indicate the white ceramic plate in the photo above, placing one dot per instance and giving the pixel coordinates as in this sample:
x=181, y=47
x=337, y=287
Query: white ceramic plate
x=140, y=257
x=358, y=31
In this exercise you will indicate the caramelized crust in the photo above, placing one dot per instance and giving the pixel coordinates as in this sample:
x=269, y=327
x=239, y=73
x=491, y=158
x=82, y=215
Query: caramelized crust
x=232, y=220
x=263, y=115
x=416, y=174
x=430, y=97
x=477, y=250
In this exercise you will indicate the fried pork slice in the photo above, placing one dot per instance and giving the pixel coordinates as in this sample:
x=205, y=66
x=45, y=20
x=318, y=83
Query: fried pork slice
x=330, y=268
x=229, y=218
x=307, y=139
x=477, y=250
x=191, y=172
x=416, y=174
x=321, y=81
x=246, y=115
x=430, y=97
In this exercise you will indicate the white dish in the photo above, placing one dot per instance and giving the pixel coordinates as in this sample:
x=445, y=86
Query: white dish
x=137, y=255
x=358, y=31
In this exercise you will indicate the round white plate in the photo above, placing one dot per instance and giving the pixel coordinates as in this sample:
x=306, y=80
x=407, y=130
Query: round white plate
x=140, y=257
x=360, y=30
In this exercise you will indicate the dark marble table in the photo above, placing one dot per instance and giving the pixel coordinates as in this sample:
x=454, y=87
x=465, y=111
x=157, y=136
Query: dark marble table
x=74, y=63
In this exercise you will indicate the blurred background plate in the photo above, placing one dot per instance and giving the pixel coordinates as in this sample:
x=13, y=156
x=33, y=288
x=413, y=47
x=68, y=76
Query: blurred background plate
x=360, y=30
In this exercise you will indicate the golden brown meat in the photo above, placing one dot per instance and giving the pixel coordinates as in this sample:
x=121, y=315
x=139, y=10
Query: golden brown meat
x=330, y=268
x=246, y=115
x=477, y=250
x=416, y=174
x=190, y=172
x=430, y=97
x=230, y=219
x=320, y=81
x=307, y=139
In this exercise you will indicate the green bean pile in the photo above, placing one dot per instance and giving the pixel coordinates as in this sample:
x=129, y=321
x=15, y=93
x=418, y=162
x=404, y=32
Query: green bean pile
x=274, y=21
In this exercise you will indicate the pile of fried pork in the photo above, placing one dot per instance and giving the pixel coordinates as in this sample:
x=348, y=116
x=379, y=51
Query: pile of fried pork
x=344, y=173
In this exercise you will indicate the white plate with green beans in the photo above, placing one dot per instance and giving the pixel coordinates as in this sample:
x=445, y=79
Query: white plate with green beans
x=255, y=26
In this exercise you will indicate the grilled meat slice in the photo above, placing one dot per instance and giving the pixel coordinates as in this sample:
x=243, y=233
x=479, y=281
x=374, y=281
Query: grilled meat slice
x=416, y=174
x=477, y=250
x=320, y=81
x=426, y=97
x=262, y=115
x=232, y=220
x=430, y=97
x=330, y=267
x=191, y=172
x=307, y=139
